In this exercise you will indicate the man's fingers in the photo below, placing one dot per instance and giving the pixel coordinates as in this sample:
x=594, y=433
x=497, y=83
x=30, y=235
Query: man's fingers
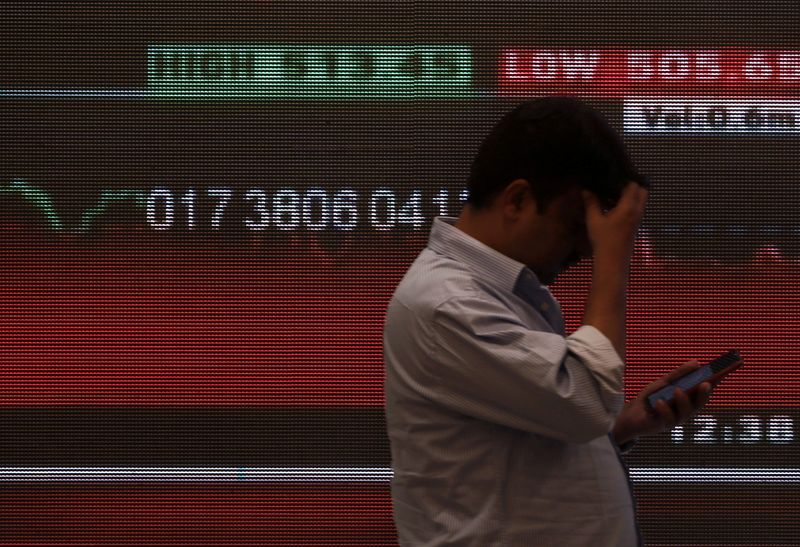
x=665, y=414
x=634, y=195
x=628, y=198
x=643, y=195
x=686, y=407
x=702, y=395
x=673, y=375
x=591, y=202
x=683, y=405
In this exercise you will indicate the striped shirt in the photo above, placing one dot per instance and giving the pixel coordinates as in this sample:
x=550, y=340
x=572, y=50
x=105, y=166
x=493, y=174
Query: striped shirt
x=499, y=424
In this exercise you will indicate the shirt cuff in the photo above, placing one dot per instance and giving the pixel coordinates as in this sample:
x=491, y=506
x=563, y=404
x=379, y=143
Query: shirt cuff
x=597, y=353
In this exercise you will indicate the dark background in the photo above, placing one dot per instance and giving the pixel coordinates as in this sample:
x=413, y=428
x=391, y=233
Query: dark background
x=128, y=347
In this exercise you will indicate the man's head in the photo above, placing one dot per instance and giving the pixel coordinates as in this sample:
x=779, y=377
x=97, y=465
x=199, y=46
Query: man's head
x=525, y=182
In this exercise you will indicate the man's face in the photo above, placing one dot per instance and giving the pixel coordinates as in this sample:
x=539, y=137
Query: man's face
x=556, y=238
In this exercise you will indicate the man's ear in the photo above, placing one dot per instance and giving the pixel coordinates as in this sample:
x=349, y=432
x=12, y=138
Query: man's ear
x=516, y=193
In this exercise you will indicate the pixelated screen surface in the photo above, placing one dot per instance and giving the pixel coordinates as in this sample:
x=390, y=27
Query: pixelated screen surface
x=205, y=208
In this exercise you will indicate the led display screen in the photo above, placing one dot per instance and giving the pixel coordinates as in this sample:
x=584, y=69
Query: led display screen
x=206, y=206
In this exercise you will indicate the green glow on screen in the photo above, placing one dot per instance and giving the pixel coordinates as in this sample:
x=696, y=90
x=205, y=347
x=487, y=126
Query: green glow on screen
x=107, y=199
x=42, y=200
x=37, y=197
x=309, y=71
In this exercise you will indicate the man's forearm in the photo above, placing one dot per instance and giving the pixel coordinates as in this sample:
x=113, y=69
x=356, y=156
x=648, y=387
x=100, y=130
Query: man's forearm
x=605, y=310
x=605, y=306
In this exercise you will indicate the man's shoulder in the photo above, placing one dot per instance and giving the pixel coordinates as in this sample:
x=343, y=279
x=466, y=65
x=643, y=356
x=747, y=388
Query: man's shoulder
x=432, y=280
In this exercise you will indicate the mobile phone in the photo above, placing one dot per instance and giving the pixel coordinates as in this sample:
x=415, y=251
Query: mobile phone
x=689, y=383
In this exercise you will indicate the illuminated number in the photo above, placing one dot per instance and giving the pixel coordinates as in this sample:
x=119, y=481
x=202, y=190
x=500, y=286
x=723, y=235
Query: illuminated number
x=187, y=200
x=411, y=211
x=445, y=65
x=362, y=66
x=411, y=66
x=169, y=208
x=390, y=207
x=331, y=65
x=757, y=67
x=321, y=197
x=294, y=65
x=440, y=199
x=224, y=195
x=212, y=66
x=286, y=209
x=674, y=65
x=752, y=429
x=677, y=434
x=727, y=434
x=345, y=213
x=706, y=433
x=780, y=429
x=260, y=197
x=462, y=197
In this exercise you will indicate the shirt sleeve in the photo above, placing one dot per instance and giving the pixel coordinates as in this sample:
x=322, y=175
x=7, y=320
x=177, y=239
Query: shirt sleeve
x=487, y=364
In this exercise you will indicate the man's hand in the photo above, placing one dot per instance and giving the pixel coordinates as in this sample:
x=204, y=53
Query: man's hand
x=612, y=234
x=636, y=420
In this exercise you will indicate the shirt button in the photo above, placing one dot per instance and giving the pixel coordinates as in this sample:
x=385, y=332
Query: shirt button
x=544, y=306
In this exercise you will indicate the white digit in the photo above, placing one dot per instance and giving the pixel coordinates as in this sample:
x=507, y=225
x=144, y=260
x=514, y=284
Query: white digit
x=286, y=209
x=706, y=65
x=224, y=195
x=640, y=66
x=674, y=65
x=345, y=213
x=169, y=208
x=789, y=65
x=780, y=429
x=261, y=209
x=752, y=429
x=706, y=433
x=187, y=200
x=321, y=196
x=411, y=211
x=757, y=67
x=677, y=434
x=391, y=209
x=440, y=199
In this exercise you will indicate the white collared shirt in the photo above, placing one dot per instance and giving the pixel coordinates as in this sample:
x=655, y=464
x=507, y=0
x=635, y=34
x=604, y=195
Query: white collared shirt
x=499, y=424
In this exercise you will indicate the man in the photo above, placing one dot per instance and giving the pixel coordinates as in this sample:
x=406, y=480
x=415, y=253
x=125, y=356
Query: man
x=503, y=430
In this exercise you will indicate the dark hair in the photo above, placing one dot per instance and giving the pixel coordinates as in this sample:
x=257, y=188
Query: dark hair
x=555, y=143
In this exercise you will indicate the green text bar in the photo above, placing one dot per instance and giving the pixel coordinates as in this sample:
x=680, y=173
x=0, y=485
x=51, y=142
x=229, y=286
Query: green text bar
x=297, y=71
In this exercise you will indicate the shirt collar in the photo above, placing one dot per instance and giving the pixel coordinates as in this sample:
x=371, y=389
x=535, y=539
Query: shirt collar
x=488, y=264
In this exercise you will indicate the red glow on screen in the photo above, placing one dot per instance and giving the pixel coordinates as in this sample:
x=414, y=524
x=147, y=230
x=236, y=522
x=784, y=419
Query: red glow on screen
x=300, y=332
x=620, y=72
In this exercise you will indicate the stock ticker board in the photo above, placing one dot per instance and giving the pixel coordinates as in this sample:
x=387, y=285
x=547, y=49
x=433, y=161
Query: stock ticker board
x=205, y=208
